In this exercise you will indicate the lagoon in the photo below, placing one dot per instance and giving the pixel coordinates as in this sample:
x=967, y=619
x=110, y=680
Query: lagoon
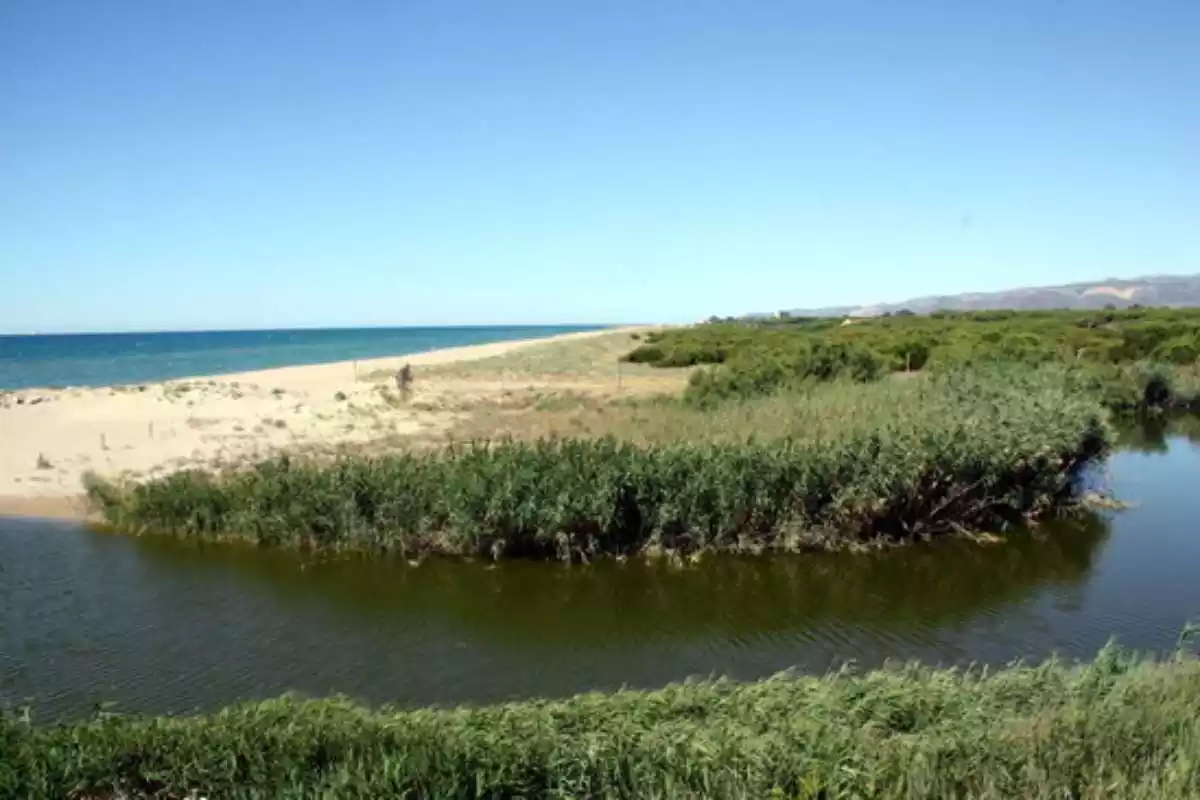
x=157, y=625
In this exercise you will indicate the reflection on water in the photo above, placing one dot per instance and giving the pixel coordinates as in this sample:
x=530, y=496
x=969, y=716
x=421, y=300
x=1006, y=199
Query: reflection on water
x=1153, y=433
x=608, y=604
x=158, y=625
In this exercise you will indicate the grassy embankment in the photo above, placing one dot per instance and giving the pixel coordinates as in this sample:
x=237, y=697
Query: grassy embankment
x=824, y=465
x=1115, y=727
x=1130, y=359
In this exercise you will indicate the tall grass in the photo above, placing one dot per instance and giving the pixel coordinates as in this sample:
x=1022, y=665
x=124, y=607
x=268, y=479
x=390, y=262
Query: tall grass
x=1119, y=726
x=976, y=451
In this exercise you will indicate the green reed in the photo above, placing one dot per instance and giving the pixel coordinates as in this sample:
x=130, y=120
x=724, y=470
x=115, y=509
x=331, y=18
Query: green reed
x=1119, y=726
x=969, y=450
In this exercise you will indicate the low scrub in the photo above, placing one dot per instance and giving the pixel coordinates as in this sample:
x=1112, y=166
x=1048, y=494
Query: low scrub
x=1126, y=356
x=1139, y=386
x=1162, y=335
x=759, y=372
x=970, y=450
x=1119, y=726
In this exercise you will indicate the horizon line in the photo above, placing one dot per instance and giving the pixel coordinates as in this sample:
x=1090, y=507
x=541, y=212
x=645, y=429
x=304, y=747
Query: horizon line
x=470, y=326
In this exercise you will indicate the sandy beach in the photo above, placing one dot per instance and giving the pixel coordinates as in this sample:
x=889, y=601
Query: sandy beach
x=50, y=438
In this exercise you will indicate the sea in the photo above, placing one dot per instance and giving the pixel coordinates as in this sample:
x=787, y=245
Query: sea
x=114, y=359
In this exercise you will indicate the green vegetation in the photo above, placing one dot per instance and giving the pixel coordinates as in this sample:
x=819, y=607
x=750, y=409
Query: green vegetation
x=1120, y=726
x=978, y=450
x=1138, y=357
x=807, y=411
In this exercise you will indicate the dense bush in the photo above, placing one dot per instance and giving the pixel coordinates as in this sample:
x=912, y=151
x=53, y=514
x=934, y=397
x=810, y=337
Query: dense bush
x=976, y=450
x=761, y=371
x=763, y=355
x=1116, y=727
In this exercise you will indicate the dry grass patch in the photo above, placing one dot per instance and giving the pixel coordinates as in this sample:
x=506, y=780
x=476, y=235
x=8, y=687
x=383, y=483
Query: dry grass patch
x=557, y=388
x=813, y=411
x=593, y=362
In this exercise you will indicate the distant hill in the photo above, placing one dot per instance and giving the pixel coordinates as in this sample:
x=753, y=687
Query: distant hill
x=1152, y=290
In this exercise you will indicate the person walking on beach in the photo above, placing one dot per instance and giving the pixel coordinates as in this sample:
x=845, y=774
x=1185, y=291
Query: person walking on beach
x=404, y=380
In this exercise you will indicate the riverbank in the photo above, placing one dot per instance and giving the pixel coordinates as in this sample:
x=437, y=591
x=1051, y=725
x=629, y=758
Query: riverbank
x=52, y=437
x=1119, y=726
x=57, y=508
x=178, y=626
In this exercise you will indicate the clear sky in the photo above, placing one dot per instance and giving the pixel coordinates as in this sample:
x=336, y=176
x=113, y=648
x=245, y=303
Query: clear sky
x=243, y=163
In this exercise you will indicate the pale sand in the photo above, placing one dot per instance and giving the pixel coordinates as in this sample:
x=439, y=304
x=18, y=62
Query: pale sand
x=50, y=438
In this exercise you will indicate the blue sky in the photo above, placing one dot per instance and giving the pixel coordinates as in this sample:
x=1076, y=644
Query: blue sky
x=241, y=163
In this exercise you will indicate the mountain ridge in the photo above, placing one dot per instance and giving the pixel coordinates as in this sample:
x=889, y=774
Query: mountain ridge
x=1150, y=290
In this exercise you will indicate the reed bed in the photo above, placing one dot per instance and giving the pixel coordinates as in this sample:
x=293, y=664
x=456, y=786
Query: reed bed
x=1119, y=726
x=963, y=451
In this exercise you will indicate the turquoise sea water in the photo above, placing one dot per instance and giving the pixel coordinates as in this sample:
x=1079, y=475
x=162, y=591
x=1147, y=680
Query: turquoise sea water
x=109, y=359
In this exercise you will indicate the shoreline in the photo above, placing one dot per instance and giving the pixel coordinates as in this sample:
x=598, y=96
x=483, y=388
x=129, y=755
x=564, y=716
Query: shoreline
x=72, y=508
x=52, y=437
x=436, y=356
x=357, y=369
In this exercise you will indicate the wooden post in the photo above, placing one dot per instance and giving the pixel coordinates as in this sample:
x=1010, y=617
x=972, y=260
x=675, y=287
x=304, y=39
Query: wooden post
x=618, y=374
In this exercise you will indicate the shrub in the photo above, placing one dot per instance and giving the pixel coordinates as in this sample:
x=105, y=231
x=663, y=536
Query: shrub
x=769, y=355
x=762, y=372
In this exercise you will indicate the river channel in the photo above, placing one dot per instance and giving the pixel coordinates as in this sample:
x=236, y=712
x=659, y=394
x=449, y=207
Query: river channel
x=154, y=625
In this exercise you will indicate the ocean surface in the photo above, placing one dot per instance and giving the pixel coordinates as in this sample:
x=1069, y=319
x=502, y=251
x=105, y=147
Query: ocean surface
x=110, y=359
